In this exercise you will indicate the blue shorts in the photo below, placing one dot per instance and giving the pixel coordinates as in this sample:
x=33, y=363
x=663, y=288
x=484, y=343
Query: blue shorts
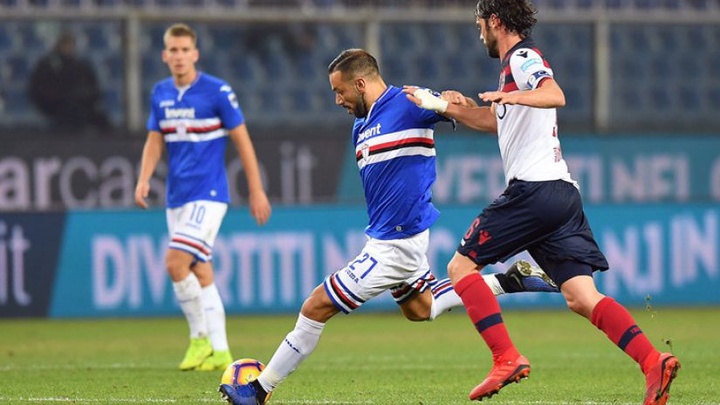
x=545, y=218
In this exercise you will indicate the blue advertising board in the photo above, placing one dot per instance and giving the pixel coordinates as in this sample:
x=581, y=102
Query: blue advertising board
x=613, y=169
x=111, y=262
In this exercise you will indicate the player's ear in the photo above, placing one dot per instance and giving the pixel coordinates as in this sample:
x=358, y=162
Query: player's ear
x=360, y=84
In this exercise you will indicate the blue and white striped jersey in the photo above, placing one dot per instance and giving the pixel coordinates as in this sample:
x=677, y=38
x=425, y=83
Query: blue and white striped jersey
x=395, y=152
x=194, y=122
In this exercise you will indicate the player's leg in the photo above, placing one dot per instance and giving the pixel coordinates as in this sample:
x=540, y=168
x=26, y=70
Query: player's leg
x=317, y=309
x=188, y=293
x=221, y=356
x=618, y=324
x=484, y=312
x=193, y=228
x=507, y=226
x=574, y=276
x=343, y=291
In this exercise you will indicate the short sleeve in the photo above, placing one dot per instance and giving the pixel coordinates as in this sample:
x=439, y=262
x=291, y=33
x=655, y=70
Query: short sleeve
x=529, y=68
x=228, y=108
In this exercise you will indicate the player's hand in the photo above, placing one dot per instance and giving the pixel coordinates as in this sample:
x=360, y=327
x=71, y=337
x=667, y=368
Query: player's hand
x=141, y=192
x=260, y=207
x=455, y=97
x=424, y=98
x=499, y=97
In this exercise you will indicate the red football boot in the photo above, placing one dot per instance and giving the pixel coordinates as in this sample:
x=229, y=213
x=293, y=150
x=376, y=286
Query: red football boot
x=502, y=374
x=658, y=379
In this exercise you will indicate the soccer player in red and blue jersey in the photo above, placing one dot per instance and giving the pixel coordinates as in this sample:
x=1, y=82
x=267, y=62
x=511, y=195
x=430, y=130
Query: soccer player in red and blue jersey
x=540, y=211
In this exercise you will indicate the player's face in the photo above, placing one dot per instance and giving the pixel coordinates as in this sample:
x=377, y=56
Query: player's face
x=347, y=95
x=180, y=54
x=488, y=37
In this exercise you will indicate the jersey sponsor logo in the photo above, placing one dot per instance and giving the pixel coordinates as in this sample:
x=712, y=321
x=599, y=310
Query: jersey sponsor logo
x=370, y=132
x=534, y=61
x=171, y=113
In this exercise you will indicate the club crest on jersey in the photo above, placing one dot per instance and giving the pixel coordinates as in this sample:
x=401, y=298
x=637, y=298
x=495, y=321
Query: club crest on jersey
x=365, y=150
x=181, y=129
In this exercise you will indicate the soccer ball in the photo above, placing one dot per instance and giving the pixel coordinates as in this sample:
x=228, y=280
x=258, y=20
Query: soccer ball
x=242, y=372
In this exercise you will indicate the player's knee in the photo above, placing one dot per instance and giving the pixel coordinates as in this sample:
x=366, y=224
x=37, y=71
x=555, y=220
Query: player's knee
x=318, y=306
x=417, y=314
x=177, y=266
x=458, y=268
x=579, y=305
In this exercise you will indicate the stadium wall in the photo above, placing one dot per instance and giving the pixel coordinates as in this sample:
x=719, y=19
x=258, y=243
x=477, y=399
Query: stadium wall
x=311, y=168
x=72, y=244
x=110, y=263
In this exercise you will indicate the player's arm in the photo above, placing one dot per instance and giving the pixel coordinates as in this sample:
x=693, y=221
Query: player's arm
x=152, y=152
x=259, y=204
x=468, y=113
x=548, y=94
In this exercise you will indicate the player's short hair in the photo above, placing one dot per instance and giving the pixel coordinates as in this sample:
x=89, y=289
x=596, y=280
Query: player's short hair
x=516, y=15
x=180, y=30
x=353, y=63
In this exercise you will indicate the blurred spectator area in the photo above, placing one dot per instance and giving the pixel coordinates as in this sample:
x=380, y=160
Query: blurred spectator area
x=664, y=75
x=23, y=43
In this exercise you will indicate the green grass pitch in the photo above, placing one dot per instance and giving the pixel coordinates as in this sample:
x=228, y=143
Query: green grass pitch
x=363, y=358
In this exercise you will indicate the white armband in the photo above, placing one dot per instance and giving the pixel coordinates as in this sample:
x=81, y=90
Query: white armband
x=429, y=101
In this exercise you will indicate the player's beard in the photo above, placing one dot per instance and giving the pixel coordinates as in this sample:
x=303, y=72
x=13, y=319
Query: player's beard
x=491, y=44
x=360, y=109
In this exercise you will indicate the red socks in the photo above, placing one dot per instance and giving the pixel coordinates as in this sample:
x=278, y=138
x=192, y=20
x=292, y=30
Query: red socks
x=619, y=326
x=484, y=311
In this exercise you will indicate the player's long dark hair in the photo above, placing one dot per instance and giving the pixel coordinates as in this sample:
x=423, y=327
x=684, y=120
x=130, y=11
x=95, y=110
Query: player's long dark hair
x=516, y=15
x=354, y=62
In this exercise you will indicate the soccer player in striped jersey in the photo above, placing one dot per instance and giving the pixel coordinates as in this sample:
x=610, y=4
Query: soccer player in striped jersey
x=540, y=211
x=192, y=115
x=395, y=154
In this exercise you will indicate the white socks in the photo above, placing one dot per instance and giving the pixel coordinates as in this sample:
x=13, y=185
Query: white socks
x=493, y=283
x=189, y=295
x=296, y=347
x=215, y=317
x=445, y=298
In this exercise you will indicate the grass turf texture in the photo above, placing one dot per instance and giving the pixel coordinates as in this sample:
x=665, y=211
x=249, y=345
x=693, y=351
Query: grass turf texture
x=361, y=359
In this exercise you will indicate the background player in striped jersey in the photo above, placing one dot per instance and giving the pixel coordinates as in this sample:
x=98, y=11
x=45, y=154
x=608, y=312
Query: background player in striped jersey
x=192, y=115
x=395, y=154
x=540, y=211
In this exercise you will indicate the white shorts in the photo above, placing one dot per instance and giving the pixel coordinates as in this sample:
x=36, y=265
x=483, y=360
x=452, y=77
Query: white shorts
x=399, y=265
x=194, y=227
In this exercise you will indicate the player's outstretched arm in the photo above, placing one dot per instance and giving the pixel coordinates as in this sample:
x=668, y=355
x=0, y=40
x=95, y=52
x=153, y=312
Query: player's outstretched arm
x=152, y=152
x=548, y=94
x=474, y=117
x=259, y=204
